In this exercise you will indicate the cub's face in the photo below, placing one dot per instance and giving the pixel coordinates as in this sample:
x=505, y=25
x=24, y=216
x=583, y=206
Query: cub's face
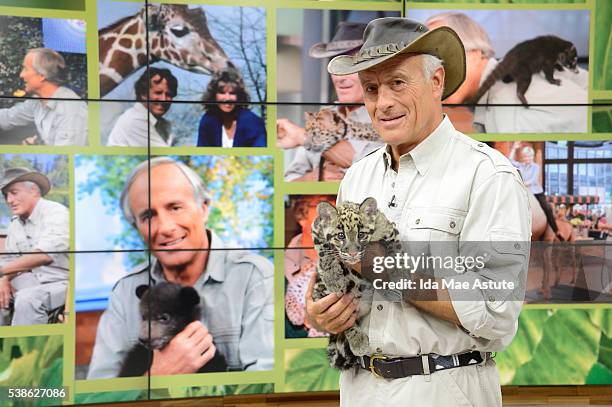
x=166, y=309
x=345, y=230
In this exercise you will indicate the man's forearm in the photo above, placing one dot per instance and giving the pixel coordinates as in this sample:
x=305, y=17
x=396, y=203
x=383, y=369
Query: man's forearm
x=433, y=301
x=340, y=154
x=25, y=263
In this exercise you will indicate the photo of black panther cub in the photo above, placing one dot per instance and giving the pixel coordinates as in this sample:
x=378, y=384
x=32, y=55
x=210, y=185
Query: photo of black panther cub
x=170, y=308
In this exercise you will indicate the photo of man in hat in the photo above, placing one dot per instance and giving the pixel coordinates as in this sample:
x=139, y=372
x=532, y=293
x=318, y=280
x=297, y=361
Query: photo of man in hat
x=331, y=164
x=432, y=347
x=34, y=270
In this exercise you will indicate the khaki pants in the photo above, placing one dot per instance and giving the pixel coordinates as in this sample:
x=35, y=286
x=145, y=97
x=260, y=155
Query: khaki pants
x=32, y=301
x=467, y=386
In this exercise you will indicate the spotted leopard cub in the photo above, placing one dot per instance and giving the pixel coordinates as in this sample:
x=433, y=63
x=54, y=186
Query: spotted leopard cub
x=326, y=127
x=341, y=236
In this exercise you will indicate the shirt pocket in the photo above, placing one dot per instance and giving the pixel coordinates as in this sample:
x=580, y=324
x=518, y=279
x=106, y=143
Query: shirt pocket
x=227, y=341
x=435, y=224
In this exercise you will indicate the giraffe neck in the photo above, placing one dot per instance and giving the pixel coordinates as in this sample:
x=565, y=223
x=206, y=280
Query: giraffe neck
x=122, y=51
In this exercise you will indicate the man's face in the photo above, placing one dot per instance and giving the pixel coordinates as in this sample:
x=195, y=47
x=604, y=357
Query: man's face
x=177, y=221
x=404, y=107
x=159, y=92
x=32, y=79
x=21, y=199
x=348, y=88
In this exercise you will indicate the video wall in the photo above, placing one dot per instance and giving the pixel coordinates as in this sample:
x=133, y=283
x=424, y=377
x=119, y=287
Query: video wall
x=133, y=132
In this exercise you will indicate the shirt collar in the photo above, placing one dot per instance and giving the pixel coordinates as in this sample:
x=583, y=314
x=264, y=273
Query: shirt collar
x=426, y=151
x=215, y=266
x=52, y=103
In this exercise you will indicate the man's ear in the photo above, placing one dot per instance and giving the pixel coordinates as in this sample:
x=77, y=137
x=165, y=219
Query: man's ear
x=437, y=82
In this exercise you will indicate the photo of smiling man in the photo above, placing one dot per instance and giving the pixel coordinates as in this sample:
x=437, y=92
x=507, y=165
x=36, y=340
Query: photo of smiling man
x=132, y=128
x=170, y=210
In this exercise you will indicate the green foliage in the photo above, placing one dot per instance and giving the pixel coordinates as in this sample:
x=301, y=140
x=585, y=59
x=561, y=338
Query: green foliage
x=499, y=1
x=602, y=118
x=56, y=4
x=17, y=36
x=210, y=391
x=32, y=362
x=110, y=396
x=602, y=58
x=309, y=370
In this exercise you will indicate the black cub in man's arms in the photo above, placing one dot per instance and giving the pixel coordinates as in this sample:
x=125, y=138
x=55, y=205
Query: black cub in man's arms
x=170, y=307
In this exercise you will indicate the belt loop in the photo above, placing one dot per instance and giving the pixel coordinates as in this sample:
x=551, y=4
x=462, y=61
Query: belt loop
x=426, y=371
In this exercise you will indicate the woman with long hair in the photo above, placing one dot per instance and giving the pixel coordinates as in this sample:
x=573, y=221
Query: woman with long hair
x=229, y=124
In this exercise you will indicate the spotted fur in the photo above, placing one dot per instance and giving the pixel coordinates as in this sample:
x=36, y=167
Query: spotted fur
x=326, y=127
x=341, y=236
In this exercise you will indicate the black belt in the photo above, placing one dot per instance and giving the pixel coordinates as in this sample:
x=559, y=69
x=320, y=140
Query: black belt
x=395, y=368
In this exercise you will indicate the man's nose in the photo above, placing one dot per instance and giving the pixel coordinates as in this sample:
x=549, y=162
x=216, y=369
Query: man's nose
x=165, y=224
x=384, y=101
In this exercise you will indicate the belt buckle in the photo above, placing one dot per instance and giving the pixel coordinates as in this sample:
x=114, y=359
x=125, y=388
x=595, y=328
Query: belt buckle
x=372, y=367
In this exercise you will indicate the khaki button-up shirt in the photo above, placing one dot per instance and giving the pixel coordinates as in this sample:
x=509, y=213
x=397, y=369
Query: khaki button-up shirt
x=133, y=130
x=454, y=189
x=45, y=230
x=58, y=122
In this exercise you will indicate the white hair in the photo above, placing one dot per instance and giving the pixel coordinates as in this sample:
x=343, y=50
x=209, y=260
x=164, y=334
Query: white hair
x=199, y=192
x=471, y=34
x=430, y=64
x=49, y=64
x=32, y=186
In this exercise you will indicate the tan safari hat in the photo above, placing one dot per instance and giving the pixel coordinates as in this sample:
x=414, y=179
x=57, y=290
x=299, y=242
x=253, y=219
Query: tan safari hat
x=22, y=174
x=387, y=37
x=349, y=35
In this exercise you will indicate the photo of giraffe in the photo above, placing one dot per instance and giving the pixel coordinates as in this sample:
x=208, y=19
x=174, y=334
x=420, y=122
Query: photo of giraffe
x=194, y=43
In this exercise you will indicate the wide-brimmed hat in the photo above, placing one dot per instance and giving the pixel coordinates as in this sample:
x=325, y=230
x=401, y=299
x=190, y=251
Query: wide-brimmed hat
x=349, y=35
x=387, y=37
x=22, y=174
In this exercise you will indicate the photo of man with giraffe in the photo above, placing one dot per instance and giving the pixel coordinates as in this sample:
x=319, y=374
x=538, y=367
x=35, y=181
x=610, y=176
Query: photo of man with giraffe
x=193, y=42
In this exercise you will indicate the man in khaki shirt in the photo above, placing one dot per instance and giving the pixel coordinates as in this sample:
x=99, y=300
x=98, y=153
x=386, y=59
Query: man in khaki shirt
x=439, y=187
x=34, y=270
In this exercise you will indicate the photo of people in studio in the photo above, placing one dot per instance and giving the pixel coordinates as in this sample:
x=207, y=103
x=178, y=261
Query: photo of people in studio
x=43, y=58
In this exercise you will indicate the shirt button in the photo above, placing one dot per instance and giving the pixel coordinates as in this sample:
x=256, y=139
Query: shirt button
x=417, y=221
x=492, y=299
x=480, y=145
x=517, y=246
x=379, y=307
x=452, y=224
x=393, y=184
x=378, y=350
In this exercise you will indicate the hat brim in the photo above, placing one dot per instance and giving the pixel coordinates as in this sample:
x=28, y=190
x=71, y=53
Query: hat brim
x=39, y=179
x=319, y=50
x=442, y=42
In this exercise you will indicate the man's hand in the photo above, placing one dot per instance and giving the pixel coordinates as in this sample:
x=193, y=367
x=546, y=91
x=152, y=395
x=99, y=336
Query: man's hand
x=5, y=292
x=331, y=313
x=187, y=352
x=30, y=141
x=289, y=134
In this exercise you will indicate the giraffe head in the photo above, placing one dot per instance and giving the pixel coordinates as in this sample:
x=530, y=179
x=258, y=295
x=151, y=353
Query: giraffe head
x=180, y=36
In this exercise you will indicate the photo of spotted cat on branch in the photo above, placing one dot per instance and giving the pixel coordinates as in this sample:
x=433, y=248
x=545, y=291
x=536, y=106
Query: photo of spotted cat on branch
x=341, y=236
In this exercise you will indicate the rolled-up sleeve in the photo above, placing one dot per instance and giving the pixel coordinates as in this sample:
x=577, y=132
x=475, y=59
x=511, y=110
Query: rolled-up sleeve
x=257, y=338
x=497, y=228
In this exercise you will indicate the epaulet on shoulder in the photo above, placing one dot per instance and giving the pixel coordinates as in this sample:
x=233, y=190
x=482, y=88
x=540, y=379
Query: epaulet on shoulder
x=370, y=153
x=139, y=269
x=499, y=161
x=262, y=264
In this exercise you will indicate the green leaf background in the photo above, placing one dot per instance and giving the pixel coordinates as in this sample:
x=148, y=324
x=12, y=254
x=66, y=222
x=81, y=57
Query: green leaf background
x=309, y=370
x=32, y=362
x=602, y=64
x=602, y=117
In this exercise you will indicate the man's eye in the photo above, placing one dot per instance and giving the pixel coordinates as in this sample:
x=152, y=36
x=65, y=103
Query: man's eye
x=370, y=89
x=341, y=236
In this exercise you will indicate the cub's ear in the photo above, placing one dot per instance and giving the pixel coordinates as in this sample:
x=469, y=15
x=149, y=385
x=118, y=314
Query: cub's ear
x=326, y=211
x=141, y=289
x=369, y=206
x=188, y=296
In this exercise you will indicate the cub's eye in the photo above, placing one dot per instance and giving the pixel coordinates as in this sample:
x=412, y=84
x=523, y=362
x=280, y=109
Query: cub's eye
x=164, y=317
x=341, y=236
x=361, y=235
x=179, y=31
